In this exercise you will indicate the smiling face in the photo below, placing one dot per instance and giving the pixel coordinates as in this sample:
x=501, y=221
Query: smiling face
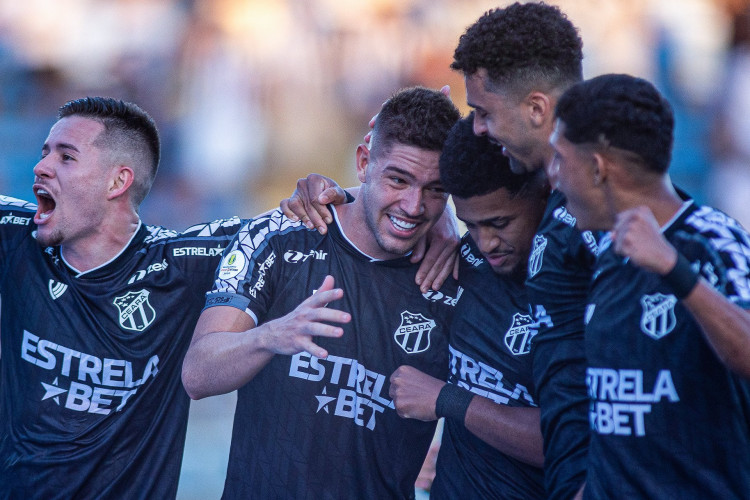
x=576, y=173
x=503, y=227
x=70, y=183
x=507, y=122
x=401, y=196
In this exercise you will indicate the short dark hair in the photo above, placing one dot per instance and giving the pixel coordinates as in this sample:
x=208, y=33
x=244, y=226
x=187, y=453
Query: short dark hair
x=522, y=47
x=128, y=131
x=414, y=116
x=621, y=111
x=470, y=165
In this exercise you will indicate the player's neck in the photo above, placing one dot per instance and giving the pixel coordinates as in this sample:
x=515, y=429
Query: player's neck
x=355, y=228
x=100, y=246
x=659, y=196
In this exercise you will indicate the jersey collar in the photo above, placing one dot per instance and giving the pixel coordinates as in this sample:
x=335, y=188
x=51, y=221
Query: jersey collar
x=112, y=264
x=337, y=233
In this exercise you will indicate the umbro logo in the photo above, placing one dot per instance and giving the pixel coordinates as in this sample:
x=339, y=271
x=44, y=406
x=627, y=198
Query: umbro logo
x=56, y=289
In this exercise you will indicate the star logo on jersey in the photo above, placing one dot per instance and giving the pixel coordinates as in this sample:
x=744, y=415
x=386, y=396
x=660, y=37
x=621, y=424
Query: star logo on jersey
x=323, y=401
x=519, y=335
x=52, y=391
x=135, y=311
x=413, y=334
x=537, y=255
x=658, y=318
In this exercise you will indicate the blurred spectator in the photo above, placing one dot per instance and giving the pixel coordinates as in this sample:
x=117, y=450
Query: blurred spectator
x=730, y=140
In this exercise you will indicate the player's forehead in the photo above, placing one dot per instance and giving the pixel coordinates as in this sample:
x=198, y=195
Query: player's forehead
x=76, y=131
x=487, y=207
x=415, y=163
x=483, y=94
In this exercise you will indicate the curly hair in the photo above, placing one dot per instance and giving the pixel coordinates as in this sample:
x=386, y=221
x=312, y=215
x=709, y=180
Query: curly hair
x=128, y=132
x=621, y=111
x=470, y=165
x=522, y=46
x=415, y=116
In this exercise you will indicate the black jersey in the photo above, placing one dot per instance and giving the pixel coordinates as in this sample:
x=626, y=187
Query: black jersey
x=669, y=419
x=490, y=337
x=559, y=274
x=326, y=428
x=91, y=400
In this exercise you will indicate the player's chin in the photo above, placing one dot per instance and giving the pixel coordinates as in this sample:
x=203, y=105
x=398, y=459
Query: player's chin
x=46, y=237
x=401, y=245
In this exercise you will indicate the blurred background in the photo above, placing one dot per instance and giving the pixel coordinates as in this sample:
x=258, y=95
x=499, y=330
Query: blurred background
x=249, y=95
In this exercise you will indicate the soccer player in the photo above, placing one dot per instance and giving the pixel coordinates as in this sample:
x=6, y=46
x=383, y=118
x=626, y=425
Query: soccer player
x=667, y=320
x=492, y=444
x=98, y=310
x=516, y=62
x=313, y=416
x=97, y=313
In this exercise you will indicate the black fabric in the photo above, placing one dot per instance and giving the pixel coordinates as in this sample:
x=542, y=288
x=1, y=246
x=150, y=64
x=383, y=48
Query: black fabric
x=669, y=419
x=559, y=273
x=326, y=428
x=490, y=339
x=91, y=400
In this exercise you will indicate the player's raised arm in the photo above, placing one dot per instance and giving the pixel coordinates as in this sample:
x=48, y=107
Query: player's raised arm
x=228, y=349
x=726, y=325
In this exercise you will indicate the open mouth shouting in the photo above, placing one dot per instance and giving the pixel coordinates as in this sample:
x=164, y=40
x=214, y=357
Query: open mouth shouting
x=45, y=205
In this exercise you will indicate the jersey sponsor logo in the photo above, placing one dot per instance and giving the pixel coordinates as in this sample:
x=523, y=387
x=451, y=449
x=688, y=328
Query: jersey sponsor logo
x=135, y=311
x=658, y=318
x=296, y=257
x=519, y=335
x=481, y=378
x=590, y=240
x=232, y=265
x=356, y=392
x=84, y=382
x=469, y=257
x=436, y=296
x=621, y=400
x=153, y=268
x=14, y=219
x=537, y=255
x=262, y=269
x=413, y=334
x=562, y=214
x=56, y=289
x=197, y=251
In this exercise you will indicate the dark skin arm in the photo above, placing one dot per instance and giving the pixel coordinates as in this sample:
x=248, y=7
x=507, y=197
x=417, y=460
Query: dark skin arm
x=725, y=325
x=514, y=431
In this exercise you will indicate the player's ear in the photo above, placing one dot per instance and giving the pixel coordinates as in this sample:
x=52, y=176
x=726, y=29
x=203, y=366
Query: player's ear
x=599, y=168
x=540, y=108
x=120, y=182
x=363, y=160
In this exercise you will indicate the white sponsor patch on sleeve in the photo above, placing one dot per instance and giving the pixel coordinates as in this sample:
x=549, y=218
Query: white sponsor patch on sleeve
x=232, y=265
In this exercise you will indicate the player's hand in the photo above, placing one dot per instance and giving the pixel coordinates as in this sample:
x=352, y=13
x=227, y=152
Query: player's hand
x=294, y=332
x=414, y=393
x=446, y=90
x=637, y=235
x=309, y=200
x=437, y=251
